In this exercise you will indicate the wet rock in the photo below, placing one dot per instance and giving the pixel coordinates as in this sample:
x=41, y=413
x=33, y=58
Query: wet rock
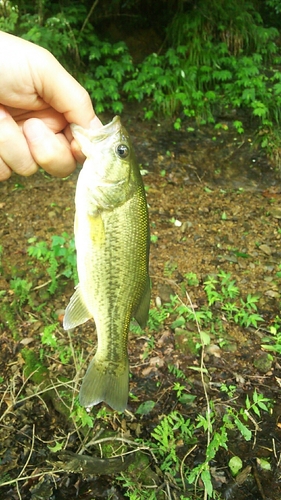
x=165, y=291
x=184, y=341
x=263, y=362
x=43, y=489
x=276, y=212
x=91, y=465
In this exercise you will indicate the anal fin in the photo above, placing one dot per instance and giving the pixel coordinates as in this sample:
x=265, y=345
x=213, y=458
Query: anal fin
x=76, y=312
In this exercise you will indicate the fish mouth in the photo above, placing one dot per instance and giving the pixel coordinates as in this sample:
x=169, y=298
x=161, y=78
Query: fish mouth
x=100, y=134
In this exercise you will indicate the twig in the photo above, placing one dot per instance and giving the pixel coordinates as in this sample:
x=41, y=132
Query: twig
x=46, y=389
x=18, y=491
x=95, y=441
x=168, y=490
x=26, y=478
x=46, y=283
x=256, y=425
x=202, y=366
x=182, y=464
x=89, y=15
x=30, y=452
x=278, y=460
x=257, y=479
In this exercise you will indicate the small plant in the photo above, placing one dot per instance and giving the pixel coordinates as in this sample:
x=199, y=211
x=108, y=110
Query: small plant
x=153, y=238
x=272, y=342
x=49, y=339
x=228, y=288
x=59, y=257
x=149, y=347
x=175, y=430
x=191, y=279
x=223, y=290
x=156, y=318
x=81, y=417
x=238, y=126
x=170, y=267
x=7, y=317
x=180, y=390
x=111, y=64
x=21, y=288
x=166, y=434
x=177, y=372
x=175, y=427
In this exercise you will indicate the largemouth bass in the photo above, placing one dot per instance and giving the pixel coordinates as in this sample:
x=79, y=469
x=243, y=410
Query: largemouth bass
x=112, y=243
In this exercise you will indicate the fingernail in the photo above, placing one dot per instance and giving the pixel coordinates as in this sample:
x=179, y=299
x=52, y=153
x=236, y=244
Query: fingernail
x=95, y=123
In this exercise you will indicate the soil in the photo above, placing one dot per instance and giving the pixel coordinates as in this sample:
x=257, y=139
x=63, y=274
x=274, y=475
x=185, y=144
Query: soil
x=215, y=205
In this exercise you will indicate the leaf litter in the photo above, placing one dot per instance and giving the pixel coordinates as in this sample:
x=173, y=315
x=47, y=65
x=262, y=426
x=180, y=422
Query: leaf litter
x=209, y=211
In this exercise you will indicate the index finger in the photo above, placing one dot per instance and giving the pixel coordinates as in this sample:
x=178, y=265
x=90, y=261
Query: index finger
x=59, y=89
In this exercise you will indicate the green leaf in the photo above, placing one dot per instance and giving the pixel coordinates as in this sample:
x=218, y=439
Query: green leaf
x=145, y=407
x=117, y=107
x=264, y=464
x=247, y=402
x=262, y=406
x=101, y=72
x=256, y=410
x=246, y=433
x=206, y=478
x=222, y=75
x=205, y=338
x=259, y=109
x=187, y=399
x=249, y=95
x=235, y=464
x=255, y=396
x=277, y=88
x=95, y=53
x=57, y=447
x=179, y=322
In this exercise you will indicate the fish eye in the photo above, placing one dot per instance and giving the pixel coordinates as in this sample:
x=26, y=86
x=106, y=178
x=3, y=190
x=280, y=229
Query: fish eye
x=122, y=150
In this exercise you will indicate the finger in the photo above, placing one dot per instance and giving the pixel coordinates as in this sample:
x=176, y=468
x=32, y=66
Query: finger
x=5, y=171
x=14, y=150
x=64, y=93
x=95, y=123
x=51, y=151
x=52, y=118
x=77, y=153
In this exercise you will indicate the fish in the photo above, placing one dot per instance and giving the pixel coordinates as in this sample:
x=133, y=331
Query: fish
x=111, y=229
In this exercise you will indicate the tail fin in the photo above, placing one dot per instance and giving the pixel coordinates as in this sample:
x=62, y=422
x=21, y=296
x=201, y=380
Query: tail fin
x=103, y=382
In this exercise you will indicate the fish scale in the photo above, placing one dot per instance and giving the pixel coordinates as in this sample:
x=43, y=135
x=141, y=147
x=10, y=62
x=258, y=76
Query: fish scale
x=117, y=282
x=112, y=243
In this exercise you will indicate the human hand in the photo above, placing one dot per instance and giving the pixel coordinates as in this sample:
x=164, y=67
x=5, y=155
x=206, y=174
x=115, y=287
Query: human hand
x=38, y=101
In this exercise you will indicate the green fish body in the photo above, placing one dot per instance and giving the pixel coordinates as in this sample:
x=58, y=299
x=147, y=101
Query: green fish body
x=112, y=243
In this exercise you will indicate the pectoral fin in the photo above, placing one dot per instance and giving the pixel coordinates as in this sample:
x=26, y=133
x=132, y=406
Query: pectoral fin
x=141, y=313
x=76, y=312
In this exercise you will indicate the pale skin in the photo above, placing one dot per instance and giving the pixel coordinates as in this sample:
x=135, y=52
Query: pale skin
x=38, y=101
